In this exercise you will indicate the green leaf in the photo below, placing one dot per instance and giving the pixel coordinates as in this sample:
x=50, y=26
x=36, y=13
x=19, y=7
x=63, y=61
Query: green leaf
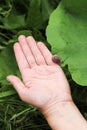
x=14, y=21
x=46, y=9
x=7, y=64
x=73, y=6
x=34, y=17
x=67, y=35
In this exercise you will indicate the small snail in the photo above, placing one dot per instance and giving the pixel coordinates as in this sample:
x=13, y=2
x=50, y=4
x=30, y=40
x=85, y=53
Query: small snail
x=57, y=60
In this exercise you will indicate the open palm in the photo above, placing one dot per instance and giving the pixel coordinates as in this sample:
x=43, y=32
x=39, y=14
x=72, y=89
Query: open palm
x=43, y=81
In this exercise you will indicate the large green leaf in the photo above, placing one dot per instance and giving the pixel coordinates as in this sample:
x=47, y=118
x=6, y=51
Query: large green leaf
x=67, y=35
x=74, y=6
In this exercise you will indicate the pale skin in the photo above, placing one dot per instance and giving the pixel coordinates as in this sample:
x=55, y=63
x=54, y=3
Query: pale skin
x=45, y=86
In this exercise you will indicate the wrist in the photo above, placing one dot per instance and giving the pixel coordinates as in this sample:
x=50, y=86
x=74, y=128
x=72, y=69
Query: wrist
x=57, y=108
x=65, y=115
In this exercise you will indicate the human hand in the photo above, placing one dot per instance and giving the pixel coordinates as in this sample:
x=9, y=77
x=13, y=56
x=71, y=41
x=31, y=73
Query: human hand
x=44, y=83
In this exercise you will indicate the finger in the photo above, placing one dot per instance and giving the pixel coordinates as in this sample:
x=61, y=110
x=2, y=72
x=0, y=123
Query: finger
x=35, y=51
x=17, y=84
x=21, y=60
x=46, y=53
x=26, y=50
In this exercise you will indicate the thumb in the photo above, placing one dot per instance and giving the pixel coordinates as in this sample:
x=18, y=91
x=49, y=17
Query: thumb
x=17, y=83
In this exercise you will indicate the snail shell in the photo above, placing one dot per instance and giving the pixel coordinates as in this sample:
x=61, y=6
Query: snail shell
x=56, y=60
